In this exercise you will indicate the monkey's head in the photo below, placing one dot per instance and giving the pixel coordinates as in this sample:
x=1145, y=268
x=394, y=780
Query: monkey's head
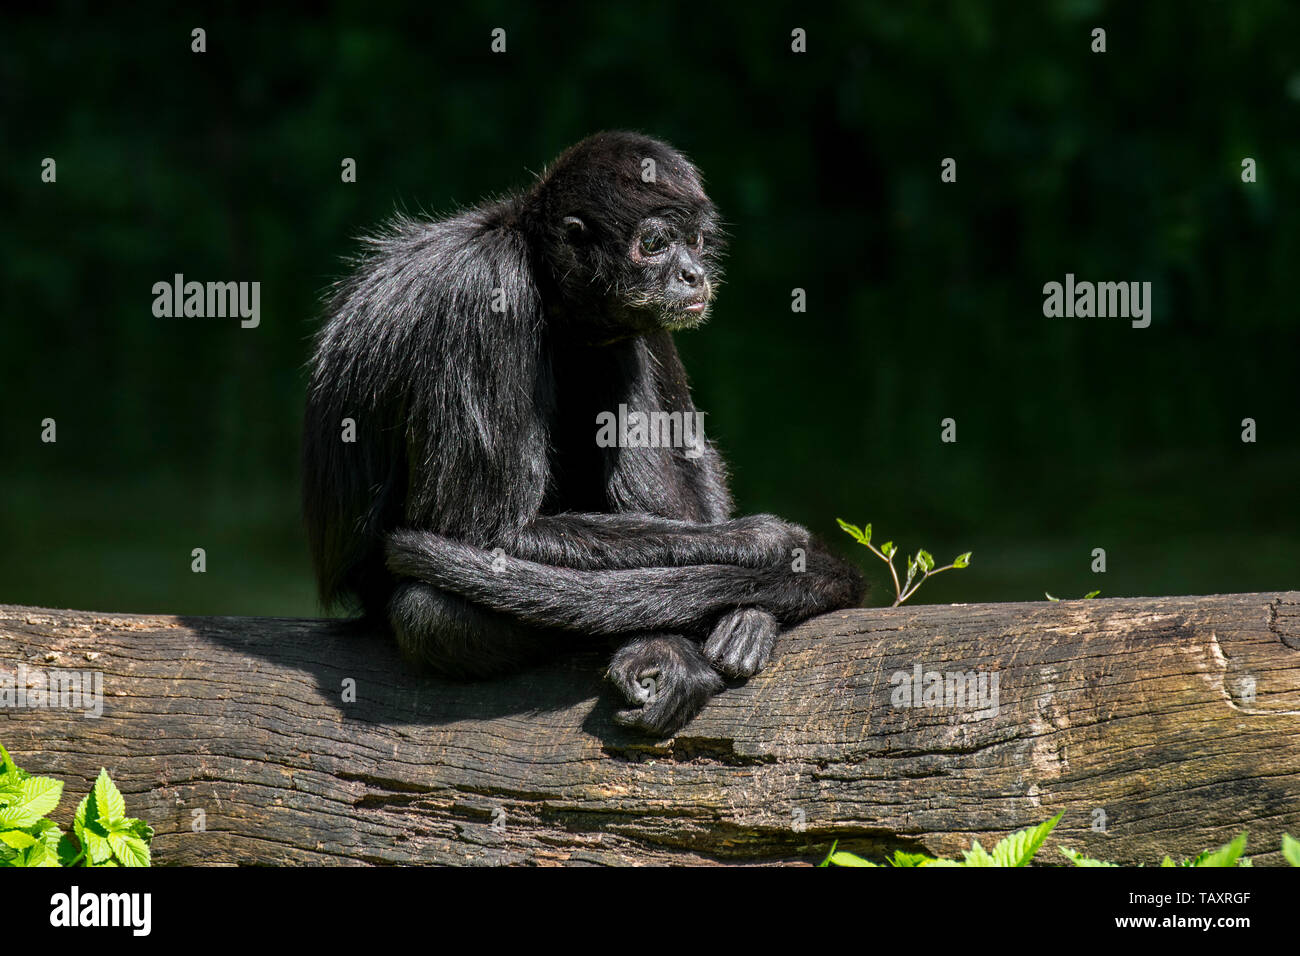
x=626, y=238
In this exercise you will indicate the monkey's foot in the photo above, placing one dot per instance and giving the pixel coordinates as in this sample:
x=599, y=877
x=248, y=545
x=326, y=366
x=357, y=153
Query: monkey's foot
x=742, y=641
x=667, y=680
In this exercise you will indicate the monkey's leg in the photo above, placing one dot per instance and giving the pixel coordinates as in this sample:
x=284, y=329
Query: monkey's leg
x=666, y=680
x=664, y=676
x=450, y=635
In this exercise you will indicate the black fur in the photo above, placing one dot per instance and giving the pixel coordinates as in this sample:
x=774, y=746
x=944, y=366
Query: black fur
x=474, y=512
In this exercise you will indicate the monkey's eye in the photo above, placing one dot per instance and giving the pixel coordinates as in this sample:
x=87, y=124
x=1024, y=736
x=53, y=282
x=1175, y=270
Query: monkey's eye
x=697, y=240
x=653, y=244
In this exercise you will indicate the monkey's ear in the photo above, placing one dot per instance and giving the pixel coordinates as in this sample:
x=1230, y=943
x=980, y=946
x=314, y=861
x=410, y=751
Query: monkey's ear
x=574, y=228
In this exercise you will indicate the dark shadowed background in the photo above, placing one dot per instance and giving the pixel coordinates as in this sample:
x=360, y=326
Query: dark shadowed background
x=924, y=298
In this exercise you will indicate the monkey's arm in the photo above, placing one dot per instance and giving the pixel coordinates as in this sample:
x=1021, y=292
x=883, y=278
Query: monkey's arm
x=623, y=600
x=742, y=638
x=627, y=540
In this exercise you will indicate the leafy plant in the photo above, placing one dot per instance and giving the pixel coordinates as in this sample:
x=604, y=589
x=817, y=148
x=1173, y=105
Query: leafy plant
x=1087, y=597
x=922, y=561
x=1015, y=850
x=1019, y=849
x=1078, y=859
x=102, y=833
x=1291, y=849
x=1227, y=855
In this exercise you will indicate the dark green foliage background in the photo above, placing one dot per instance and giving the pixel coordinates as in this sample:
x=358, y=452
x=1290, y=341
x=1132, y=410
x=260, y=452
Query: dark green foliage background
x=924, y=299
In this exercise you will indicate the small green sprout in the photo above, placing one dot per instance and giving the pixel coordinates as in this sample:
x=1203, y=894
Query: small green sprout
x=1020, y=848
x=1087, y=597
x=922, y=561
x=1016, y=850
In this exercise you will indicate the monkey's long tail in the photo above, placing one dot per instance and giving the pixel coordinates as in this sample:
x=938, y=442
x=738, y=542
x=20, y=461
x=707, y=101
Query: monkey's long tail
x=609, y=602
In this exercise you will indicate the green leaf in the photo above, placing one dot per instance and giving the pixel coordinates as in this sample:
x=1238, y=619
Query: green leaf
x=98, y=849
x=978, y=856
x=67, y=850
x=139, y=829
x=17, y=839
x=79, y=819
x=925, y=559
x=41, y=855
x=1090, y=595
x=90, y=831
x=848, y=859
x=1050, y=598
x=129, y=850
x=1019, y=848
x=888, y=549
x=32, y=799
x=962, y=560
x=910, y=859
x=108, y=800
x=8, y=772
x=1291, y=849
x=827, y=861
x=852, y=530
x=1225, y=855
x=48, y=832
x=1078, y=859
x=841, y=858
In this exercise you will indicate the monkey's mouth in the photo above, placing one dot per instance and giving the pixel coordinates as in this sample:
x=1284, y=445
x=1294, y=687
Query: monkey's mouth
x=687, y=315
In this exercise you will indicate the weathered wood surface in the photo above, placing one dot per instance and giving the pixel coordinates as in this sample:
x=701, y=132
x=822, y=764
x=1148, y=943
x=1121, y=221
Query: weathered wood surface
x=1141, y=709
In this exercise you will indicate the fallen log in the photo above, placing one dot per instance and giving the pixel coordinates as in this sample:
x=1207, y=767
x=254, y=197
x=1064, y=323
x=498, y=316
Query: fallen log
x=1159, y=725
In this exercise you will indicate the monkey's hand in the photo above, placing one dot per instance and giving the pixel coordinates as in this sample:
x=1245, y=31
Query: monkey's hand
x=770, y=539
x=666, y=679
x=841, y=580
x=794, y=592
x=741, y=642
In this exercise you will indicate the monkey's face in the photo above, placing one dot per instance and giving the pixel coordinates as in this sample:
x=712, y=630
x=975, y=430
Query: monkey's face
x=629, y=239
x=670, y=275
x=656, y=272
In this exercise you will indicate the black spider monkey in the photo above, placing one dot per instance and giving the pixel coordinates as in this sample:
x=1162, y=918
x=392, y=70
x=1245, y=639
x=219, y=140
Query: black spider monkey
x=473, y=511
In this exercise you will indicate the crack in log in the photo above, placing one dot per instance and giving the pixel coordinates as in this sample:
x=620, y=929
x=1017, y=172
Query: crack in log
x=1290, y=636
x=720, y=751
x=1218, y=679
x=727, y=842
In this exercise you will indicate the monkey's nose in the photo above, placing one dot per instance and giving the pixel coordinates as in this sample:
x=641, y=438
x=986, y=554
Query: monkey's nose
x=691, y=275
